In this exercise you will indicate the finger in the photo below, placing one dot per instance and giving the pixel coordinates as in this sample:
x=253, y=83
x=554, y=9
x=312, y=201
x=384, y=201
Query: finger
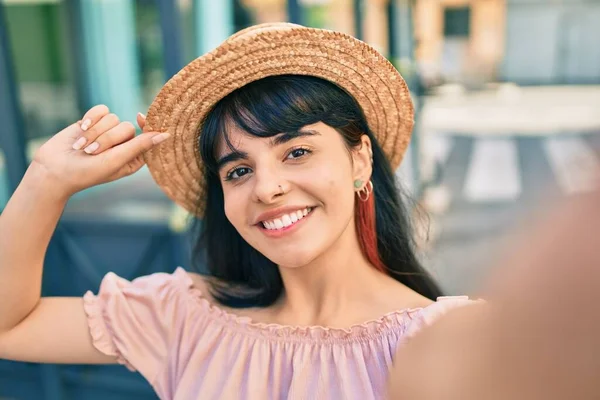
x=86, y=140
x=130, y=168
x=141, y=120
x=72, y=132
x=93, y=115
x=121, y=133
x=124, y=153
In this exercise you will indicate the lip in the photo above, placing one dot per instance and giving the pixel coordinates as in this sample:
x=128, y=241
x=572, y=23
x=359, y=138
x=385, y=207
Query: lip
x=275, y=233
x=277, y=212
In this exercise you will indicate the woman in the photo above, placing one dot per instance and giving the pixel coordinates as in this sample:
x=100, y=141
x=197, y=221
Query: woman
x=283, y=140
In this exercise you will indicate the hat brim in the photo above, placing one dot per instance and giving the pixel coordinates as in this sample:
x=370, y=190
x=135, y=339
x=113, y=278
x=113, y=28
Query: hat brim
x=184, y=101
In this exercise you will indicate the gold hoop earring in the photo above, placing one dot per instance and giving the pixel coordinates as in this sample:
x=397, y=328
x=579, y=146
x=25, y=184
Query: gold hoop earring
x=364, y=193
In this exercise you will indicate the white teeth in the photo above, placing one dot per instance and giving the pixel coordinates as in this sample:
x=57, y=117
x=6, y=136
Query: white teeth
x=286, y=220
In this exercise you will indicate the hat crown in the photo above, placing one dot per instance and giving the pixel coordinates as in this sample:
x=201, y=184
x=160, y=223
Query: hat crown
x=262, y=28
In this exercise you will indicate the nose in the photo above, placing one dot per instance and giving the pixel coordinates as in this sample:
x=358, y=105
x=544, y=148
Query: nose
x=268, y=187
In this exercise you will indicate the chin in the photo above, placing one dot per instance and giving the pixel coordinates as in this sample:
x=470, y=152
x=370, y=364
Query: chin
x=294, y=259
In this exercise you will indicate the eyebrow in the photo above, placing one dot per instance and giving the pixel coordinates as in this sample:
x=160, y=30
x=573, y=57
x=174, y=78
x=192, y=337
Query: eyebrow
x=288, y=136
x=231, y=157
x=275, y=141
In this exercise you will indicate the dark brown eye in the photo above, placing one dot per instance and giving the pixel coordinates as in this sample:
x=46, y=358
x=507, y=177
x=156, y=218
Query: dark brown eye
x=297, y=153
x=237, y=173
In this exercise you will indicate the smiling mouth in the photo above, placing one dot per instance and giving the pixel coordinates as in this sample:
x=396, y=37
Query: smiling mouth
x=286, y=220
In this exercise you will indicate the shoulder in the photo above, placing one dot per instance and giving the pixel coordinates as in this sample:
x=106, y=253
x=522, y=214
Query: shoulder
x=444, y=304
x=435, y=310
x=400, y=297
x=206, y=285
x=200, y=282
x=209, y=286
x=153, y=294
x=151, y=283
x=417, y=300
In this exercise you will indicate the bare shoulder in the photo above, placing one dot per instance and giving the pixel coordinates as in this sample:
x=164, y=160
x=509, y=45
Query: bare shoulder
x=412, y=299
x=209, y=285
x=199, y=281
x=206, y=284
x=404, y=297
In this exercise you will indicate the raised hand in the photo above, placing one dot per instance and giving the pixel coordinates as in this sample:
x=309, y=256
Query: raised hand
x=95, y=150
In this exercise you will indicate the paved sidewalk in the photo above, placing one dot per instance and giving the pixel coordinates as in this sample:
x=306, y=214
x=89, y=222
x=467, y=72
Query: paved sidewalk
x=507, y=109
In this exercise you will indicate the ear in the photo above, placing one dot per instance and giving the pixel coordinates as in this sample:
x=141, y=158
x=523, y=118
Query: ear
x=362, y=160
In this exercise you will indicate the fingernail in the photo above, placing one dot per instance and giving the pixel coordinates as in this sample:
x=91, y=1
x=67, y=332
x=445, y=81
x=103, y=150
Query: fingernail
x=86, y=124
x=142, y=115
x=161, y=137
x=79, y=143
x=92, y=148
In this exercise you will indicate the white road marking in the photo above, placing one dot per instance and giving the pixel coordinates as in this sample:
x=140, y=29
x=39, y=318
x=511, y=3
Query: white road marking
x=493, y=172
x=575, y=164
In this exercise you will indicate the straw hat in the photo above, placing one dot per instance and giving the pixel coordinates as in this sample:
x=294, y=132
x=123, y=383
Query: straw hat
x=258, y=52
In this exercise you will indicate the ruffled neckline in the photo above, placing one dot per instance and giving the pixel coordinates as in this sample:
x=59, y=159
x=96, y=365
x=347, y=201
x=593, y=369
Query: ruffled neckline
x=392, y=322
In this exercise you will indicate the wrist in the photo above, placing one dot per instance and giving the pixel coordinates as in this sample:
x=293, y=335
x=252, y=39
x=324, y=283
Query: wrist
x=38, y=178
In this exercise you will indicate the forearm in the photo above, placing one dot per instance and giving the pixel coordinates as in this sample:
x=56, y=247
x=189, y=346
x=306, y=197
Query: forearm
x=26, y=226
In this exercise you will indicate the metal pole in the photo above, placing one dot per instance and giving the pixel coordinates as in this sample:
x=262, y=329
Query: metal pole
x=171, y=36
x=358, y=19
x=294, y=12
x=393, y=31
x=12, y=138
x=214, y=22
x=417, y=88
x=77, y=45
x=109, y=32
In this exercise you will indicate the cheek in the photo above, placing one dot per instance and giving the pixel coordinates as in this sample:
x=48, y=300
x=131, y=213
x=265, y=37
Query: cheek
x=337, y=194
x=234, y=209
x=338, y=186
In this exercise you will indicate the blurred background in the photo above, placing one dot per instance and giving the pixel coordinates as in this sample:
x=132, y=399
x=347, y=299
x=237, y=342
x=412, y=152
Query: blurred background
x=508, y=121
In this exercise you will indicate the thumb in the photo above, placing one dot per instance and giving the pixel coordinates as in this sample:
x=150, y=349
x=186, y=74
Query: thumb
x=128, y=151
x=71, y=131
x=141, y=120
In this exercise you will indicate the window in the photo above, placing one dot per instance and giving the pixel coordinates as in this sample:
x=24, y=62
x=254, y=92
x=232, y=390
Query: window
x=457, y=21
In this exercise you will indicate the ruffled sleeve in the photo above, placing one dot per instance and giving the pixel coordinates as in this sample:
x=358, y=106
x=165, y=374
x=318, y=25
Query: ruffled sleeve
x=432, y=313
x=137, y=321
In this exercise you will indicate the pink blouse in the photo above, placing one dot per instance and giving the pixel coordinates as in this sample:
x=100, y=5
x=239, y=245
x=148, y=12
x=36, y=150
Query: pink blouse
x=189, y=348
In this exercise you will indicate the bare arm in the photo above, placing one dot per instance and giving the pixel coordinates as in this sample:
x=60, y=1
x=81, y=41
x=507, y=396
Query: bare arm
x=26, y=226
x=55, y=329
x=34, y=329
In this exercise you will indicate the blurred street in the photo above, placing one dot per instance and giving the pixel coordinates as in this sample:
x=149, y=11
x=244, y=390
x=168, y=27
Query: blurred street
x=492, y=172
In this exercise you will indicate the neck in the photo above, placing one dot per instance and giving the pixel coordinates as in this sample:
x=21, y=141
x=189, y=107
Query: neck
x=337, y=284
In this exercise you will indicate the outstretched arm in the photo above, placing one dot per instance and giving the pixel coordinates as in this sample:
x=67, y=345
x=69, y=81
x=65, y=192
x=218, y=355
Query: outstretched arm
x=54, y=329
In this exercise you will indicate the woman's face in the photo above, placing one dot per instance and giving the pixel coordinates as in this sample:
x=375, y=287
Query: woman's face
x=291, y=196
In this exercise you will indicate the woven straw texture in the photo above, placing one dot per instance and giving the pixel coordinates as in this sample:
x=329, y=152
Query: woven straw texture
x=255, y=53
